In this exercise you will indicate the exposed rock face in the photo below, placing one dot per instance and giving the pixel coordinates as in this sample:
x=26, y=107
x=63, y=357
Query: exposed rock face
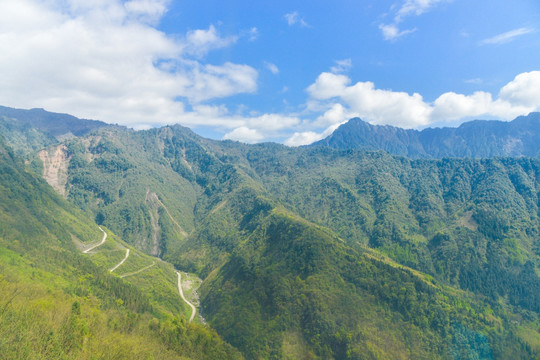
x=55, y=167
x=153, y=202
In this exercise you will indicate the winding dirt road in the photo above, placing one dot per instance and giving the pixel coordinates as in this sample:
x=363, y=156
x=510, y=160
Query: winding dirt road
x=138, y=271
x=180, y=291
x=193, y=309
x=121, y=262
x=101, y=243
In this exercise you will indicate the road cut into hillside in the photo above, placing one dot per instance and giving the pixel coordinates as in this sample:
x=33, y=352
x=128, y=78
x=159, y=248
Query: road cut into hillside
x=101, y=243
x=193, y=309
x=121, y=262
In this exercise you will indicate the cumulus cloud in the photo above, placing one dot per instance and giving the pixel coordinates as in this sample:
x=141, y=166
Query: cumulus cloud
x=507, y=36
x=336, y=114
x=272, y=123
x=244, y=134
x=524, y=90
x=344, y=100
x=374, y=104
x=210, y=81
x=200, y=42
x=328, y=85
x=105, y=60
x=303, y=138
x=257, y=128
x=309, y=137
x=149, y=11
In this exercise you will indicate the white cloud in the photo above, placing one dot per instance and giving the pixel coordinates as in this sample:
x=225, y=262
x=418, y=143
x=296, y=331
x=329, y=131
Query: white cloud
x=408, y=8
x=149, y=11
x=379, y=106
x=415, y=7
x=328, y=85
x=507, y=36
x=210, y=81
x=392, y=32
x=272, y=123
x=200, y=42
x=452, y=106
x=293, y=19
x=524, y=90
x=303, y=138
x=336, y=114
x=272, y=67
x=244, y=134
x=341, y=66
x=344, y=100
x=257, y=128
x=103, y=59
x=309, y=137
x=253, y=34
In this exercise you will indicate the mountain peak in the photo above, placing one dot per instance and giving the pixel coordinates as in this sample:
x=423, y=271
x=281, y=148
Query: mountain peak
x=477, y=138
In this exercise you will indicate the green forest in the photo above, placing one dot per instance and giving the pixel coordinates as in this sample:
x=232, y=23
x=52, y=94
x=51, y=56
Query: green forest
x=304, y=253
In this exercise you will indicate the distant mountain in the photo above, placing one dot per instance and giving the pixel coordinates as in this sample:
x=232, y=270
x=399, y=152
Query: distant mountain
x=474, y=139
x=51, y=123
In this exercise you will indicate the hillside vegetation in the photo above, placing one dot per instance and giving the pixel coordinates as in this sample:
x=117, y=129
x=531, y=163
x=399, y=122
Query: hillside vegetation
x=58, y=303
x=320, y=253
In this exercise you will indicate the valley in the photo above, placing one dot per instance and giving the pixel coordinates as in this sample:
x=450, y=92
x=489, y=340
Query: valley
x=306, y=252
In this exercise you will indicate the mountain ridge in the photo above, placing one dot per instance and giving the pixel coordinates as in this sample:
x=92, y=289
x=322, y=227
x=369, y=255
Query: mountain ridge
x=319, y=253
x=473, y=139
x=55, y=124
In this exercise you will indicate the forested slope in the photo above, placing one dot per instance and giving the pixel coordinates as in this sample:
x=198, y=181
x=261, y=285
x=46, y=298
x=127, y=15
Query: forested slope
x=449, y=219
x=321, y=253
x=56, y=303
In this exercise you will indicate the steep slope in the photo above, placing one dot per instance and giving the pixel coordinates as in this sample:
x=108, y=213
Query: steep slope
x=471, y=223
x=315, y=252
x=232, y=178
x=476, y=139
x=58, y=303
x=358, y=134
x=282, y=287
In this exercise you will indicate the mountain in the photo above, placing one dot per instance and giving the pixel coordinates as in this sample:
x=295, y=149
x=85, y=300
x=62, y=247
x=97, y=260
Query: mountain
x=475, y=139
x=54, y=124
x=319, y=253
x=28, y=131
x=56, y=302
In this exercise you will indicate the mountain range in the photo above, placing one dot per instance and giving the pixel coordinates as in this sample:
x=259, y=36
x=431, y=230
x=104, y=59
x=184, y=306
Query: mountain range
x=303, y=253
x=474, y=139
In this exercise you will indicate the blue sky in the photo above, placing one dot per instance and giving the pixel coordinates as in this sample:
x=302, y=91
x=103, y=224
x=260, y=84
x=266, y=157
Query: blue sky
x=286, y=71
